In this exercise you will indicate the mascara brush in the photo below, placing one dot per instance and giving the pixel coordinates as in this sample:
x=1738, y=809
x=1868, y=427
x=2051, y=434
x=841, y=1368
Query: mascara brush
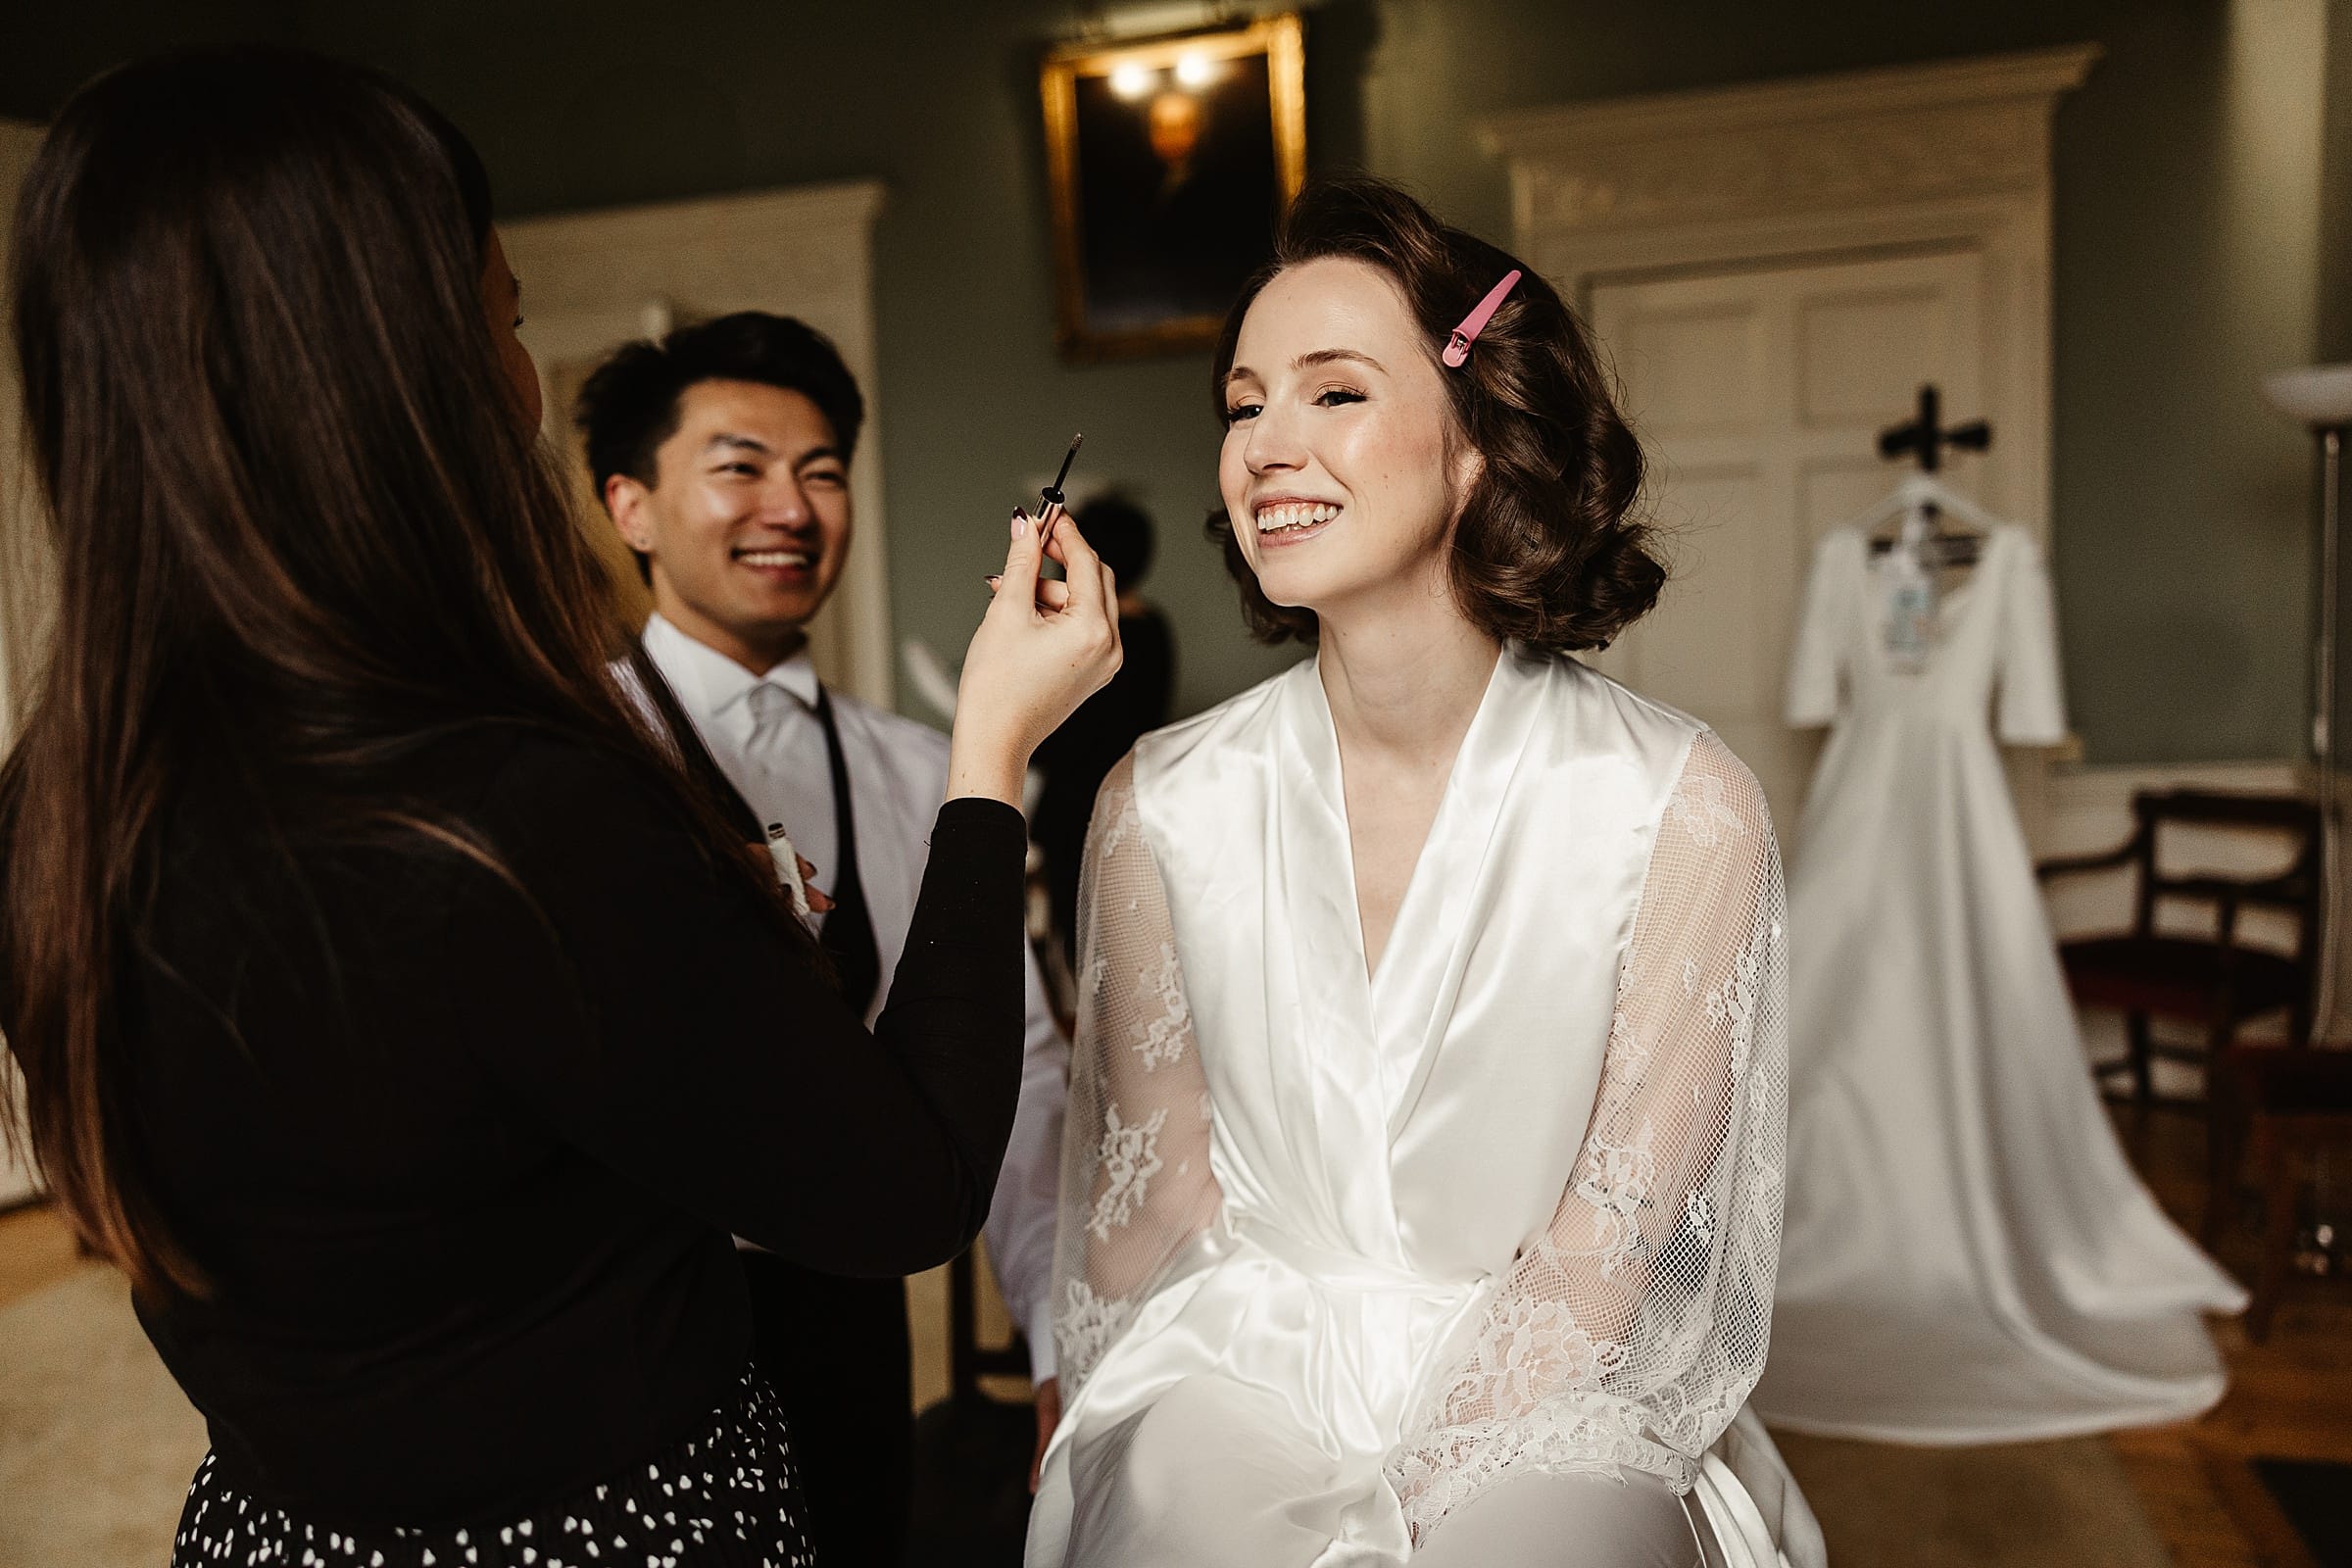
x=1053, y=492
x=1050, y=498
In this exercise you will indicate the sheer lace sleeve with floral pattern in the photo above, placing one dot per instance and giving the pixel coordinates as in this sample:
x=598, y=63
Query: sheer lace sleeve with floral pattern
x=1630, y=1331
x=1136, y=1183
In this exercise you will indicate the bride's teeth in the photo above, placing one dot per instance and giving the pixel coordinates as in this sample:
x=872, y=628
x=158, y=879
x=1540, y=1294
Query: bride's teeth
x=773, y=558
x=1295, y=515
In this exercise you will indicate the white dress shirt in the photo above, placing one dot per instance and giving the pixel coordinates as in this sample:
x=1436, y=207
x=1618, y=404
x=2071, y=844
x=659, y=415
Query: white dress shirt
x=764, y=733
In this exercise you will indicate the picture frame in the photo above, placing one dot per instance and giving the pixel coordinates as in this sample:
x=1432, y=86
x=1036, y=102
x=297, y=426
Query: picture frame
x=1170, y=159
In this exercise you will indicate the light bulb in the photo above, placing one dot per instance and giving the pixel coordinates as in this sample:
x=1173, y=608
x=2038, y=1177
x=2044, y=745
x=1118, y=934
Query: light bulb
x=1196, y=71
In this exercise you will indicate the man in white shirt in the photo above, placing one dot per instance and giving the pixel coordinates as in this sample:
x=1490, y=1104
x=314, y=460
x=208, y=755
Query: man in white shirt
x=722, y=454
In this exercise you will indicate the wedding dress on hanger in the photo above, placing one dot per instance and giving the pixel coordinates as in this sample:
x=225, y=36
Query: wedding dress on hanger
x=1968, y=1256
x=1342, y=1253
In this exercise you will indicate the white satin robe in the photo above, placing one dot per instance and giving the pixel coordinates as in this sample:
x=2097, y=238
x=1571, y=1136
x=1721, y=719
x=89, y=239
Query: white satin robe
x=1341, y=1254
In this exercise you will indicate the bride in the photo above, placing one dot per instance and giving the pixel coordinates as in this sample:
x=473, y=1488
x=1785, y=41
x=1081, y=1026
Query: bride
x=1422, y=1189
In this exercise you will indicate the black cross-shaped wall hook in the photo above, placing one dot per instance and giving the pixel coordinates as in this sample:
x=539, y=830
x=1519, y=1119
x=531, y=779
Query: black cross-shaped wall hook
x=1925, y=438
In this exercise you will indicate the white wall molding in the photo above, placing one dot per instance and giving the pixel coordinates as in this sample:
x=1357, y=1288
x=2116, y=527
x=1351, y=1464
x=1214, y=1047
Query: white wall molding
x=1952, y=127
x=2090, y=808
x=2087, y=809
x=1949, y=155
x=769, y=243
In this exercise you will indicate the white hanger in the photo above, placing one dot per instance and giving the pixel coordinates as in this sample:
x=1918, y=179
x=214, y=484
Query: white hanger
x=1910, y=500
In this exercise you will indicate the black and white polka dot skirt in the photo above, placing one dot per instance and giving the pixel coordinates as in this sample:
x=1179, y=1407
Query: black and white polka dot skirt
x=726, y=1498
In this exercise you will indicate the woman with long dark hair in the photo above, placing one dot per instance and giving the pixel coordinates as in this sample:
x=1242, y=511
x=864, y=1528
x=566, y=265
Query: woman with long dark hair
x=388, y=1003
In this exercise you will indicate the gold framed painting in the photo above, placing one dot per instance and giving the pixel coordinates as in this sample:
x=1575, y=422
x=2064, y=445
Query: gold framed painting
x=1170, y=161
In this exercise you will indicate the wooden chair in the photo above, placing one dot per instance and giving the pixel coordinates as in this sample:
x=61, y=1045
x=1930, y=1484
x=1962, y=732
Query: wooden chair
x=2292, y=1102
x=2214, y=982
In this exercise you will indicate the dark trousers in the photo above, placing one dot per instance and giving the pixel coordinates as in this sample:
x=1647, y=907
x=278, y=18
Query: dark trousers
x=835, y=1350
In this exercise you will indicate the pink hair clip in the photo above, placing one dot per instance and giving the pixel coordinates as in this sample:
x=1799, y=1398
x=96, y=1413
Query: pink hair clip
x=1457, y=346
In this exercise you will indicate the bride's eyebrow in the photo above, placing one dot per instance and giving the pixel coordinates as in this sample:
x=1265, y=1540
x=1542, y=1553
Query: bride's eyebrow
x=1330, y=356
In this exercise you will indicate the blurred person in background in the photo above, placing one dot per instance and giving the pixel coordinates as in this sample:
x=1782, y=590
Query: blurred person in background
x=1076, y=758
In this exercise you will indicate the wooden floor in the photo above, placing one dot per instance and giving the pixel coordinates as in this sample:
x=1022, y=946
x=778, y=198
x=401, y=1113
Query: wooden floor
x=2289, y=1399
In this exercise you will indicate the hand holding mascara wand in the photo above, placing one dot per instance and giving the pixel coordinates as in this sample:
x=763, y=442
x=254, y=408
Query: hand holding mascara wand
x=1053, y=492
x=1041, y=649
x=1050, y=511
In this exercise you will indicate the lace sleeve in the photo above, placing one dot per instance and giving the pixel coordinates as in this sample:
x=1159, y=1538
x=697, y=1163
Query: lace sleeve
x=1136, y=1185
x=1629, y=1333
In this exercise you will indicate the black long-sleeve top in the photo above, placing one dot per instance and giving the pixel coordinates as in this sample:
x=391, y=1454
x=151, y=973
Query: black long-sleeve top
x=465, y=1205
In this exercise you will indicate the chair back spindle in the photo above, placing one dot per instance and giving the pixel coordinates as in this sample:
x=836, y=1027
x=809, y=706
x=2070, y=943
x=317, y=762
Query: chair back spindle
x=2219, y=981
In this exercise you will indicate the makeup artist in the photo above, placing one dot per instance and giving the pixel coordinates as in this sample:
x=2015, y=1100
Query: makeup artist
x=388, y=1005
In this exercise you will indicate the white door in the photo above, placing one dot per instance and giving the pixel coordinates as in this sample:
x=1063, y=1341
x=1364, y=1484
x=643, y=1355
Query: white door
x=21, y=593
x=1759, y=393
x=23, y=590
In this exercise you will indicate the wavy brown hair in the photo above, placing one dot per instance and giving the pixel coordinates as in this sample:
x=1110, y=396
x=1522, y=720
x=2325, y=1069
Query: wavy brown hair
x=297, y=529
x=1549, y=550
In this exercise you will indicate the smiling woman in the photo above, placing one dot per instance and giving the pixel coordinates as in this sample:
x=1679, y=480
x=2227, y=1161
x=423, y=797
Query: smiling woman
x=1421, y=1189
x=1523, y=441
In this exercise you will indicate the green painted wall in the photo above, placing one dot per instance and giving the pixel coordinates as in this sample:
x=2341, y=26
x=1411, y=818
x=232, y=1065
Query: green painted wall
x=2188, y=234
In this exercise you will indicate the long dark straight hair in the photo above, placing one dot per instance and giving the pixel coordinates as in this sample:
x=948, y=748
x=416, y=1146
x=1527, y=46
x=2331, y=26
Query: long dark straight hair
x=298, y=531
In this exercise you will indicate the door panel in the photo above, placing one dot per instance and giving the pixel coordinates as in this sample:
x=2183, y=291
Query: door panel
x=1846, y=372
x=25, y=595
x=1759, y=394
x=1710, y=363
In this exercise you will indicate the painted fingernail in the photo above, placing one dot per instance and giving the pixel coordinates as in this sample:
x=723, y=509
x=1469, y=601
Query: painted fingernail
x=992, y=579
x=1020, y=523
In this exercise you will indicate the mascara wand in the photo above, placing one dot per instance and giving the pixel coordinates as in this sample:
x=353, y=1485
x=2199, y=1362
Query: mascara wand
x=1053, y=492
x=1051, y=498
